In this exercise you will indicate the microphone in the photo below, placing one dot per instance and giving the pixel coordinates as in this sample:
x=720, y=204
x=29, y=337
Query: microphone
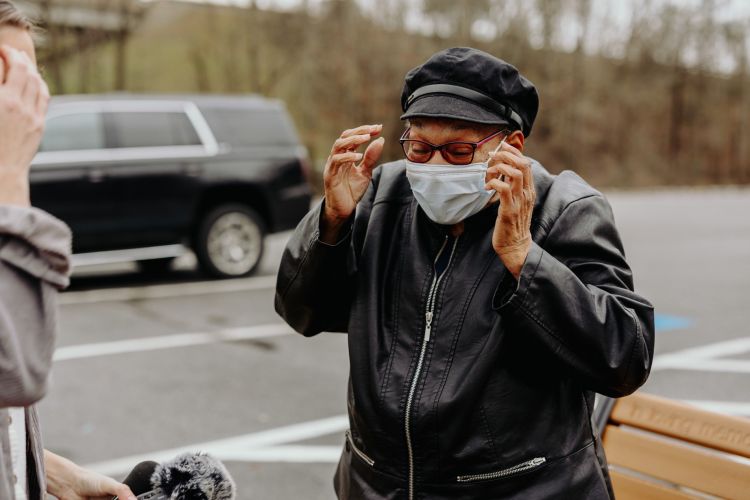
x=139, y=479
x=190, y=476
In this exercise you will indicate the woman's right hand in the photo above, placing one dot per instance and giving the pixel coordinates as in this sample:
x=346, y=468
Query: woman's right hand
x=344, y=180
x=23, y=105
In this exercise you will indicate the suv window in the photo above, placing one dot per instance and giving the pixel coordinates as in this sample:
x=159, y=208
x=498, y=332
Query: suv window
x=72, y=132
x=250, y=127
x=140, y=129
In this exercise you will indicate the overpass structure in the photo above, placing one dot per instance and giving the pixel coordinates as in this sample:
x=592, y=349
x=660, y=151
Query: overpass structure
x=98, y=15
x=71, y=27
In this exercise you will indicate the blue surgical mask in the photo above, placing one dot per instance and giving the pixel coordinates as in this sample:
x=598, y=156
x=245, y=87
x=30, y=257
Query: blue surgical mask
x=449, y=194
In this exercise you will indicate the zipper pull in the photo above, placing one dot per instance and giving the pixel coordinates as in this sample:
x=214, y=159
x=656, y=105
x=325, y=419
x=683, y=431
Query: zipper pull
x=428, y=327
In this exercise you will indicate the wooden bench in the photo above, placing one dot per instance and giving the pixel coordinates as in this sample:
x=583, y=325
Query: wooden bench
x=662, y=449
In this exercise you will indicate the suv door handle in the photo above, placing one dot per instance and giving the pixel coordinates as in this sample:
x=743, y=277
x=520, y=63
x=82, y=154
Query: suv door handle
x=96, y=175
x=192, y=169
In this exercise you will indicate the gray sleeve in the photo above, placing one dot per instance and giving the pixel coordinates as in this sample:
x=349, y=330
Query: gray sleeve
x=34, y=264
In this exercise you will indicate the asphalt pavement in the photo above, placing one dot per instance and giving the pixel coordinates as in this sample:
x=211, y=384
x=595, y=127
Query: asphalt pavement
x=147, y=366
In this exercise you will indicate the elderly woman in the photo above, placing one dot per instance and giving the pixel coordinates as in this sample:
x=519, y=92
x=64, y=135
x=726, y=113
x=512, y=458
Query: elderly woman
x=34, y=265
x=486, y=300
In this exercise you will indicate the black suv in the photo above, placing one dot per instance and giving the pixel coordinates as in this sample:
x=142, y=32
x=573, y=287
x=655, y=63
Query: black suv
x=145, y=178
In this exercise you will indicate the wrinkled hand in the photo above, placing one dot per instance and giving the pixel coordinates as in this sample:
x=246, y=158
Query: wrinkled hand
x=345, y=182
x=67, y=481
x=513, y=180
x=23, y=104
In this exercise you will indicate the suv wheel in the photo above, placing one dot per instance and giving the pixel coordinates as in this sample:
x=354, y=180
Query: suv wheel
x=229, y=241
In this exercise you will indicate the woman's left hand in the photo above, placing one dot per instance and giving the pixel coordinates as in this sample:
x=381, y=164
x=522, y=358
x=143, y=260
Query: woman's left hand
x=514, y=182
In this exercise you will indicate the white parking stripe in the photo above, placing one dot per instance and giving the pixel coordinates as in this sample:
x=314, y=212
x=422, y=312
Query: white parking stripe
x=258, y=443
x=272, y=445
x=724, y=348
x=707, y=358
x=289, y=454
x=166, y=291
x=705, y=365
x=170, y=341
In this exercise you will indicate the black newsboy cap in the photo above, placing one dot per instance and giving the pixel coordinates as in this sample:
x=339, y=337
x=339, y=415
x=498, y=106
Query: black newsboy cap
x=467, y=84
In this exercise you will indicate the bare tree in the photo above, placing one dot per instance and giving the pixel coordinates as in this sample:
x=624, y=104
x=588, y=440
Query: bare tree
x=455, y=18
x=549, y=11
x=736, y=38
x=657, y=105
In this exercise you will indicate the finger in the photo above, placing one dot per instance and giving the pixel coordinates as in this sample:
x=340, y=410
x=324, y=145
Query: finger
x=503, y=189
x=492, y=173
x=372, y=155
x=528, y=178
x=349, y=143
x=347, y=157
x=123, y=493
x=510, y=148
x=31, y=91
x=107, y=488
x=514, y=177
x=523, y=164
x=341, y=159
x=520, y=162
x=16, y=72
x=363, y=129
x=506, y=198
x=42, y=99
x=517, y=160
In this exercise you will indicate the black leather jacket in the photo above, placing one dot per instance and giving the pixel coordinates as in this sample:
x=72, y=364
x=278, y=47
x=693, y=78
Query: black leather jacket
x=494, y=398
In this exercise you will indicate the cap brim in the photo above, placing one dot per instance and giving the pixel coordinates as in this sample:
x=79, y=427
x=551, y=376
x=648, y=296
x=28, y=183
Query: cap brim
x=455, y=108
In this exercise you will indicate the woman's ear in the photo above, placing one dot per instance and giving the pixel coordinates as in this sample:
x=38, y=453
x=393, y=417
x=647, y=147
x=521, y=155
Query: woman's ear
x=516, y=140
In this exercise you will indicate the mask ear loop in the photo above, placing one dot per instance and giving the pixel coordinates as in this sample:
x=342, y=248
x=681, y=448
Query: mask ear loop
x=499, y=146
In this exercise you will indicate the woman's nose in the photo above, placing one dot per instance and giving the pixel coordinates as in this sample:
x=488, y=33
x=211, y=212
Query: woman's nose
x=437, y=159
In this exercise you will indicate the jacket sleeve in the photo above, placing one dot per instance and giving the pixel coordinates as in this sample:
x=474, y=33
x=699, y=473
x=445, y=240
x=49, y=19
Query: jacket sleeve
x=313, y=286
x=575, y=297
x=34, y=265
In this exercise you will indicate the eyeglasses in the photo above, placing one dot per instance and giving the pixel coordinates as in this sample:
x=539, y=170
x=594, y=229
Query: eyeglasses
x=457, y=153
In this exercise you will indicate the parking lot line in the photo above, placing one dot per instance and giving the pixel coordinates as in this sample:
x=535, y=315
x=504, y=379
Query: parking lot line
x=258, y=446
x=170, y=341
x=125, y=294
x=272, y=446
x=708, y=357
x=275, y=329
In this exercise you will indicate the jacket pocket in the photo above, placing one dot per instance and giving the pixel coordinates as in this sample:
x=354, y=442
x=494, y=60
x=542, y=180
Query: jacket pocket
x=350, y=444
x=528, y=465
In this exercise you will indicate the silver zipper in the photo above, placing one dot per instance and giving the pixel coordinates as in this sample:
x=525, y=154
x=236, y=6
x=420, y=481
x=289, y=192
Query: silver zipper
x=427, y=332
x=528, y=465
x=359, y=452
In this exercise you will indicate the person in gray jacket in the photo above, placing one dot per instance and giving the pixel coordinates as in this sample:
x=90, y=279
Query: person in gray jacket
x=34, y=264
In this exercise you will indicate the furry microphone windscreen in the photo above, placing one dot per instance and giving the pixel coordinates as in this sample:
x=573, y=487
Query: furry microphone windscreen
x=193, y=476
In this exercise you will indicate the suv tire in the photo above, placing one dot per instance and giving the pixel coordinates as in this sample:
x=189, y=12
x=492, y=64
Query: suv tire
x=229, y=241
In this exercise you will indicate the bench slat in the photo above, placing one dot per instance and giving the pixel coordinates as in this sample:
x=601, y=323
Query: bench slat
x=677, y=463
x=633, y=488
x=685, y=422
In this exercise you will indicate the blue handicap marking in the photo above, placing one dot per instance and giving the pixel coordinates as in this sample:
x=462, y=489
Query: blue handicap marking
x=664, y=322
